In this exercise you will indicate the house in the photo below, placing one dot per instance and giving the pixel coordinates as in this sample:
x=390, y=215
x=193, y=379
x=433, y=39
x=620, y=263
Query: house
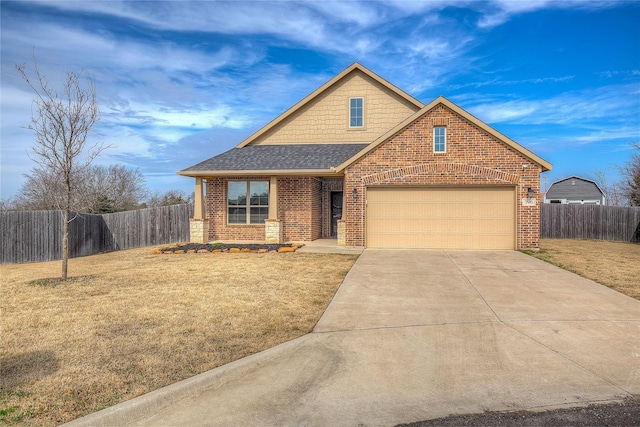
x=363, y=161
x=575, y=190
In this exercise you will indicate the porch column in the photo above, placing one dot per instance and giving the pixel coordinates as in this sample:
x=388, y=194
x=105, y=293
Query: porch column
x=199, y=225
x=273, y=226
x=273, y=198
x=198, y=205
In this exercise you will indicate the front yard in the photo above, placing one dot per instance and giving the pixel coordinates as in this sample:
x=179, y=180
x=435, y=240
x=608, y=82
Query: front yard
x=613, y=264
x=130, y=322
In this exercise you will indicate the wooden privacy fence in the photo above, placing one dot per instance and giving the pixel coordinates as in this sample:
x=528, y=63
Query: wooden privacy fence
x=33, y=236
x=558, y=221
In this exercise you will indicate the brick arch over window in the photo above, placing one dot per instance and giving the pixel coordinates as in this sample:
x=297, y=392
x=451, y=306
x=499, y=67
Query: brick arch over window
x=425, y=168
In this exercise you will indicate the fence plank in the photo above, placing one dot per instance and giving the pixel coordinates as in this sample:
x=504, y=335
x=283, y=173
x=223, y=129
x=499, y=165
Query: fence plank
x=559, y=221
x=34, y=236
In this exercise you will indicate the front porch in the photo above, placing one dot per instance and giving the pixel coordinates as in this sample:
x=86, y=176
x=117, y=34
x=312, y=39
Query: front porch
x=299, y=209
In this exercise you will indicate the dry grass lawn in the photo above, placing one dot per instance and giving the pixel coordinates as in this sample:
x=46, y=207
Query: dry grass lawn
x=130, y=322
x=613, y=264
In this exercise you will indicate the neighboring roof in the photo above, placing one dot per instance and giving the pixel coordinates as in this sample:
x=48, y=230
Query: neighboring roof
x=546, y=166
x=577, y=177
x=276, y=159
x=353, y=67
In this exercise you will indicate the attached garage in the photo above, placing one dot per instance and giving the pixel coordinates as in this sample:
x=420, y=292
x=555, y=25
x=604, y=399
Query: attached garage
x=441, y=217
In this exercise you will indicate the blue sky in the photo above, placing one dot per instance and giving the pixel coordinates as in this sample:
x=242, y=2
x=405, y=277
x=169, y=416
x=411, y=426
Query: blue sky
x=179, y=82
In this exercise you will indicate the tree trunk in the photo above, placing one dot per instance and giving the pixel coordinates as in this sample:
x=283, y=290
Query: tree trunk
x=65, y=243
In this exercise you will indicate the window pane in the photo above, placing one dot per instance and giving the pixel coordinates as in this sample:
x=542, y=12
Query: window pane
x=237, y=215
x=258, y=215
x=237, y=193
x=259, y=193
x=439, y=139
x=355, y=112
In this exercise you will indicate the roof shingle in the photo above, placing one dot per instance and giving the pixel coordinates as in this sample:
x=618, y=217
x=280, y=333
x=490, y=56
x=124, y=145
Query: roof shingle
x=279, y=157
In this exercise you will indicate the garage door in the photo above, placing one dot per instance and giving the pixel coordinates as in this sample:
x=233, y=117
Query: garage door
x=455, y=218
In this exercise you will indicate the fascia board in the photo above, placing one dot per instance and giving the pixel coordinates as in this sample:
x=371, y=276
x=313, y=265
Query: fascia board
x=280, y=172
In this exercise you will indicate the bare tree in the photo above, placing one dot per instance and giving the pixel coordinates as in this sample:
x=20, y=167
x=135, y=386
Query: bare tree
x=62, y=124
x=613, y=191
x=120, y=188
x=631, y=174
x=169, y=198
x=98, y=189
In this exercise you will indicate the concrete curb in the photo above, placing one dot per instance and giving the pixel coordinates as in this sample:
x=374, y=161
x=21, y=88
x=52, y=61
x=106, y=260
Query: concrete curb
x=127, y=413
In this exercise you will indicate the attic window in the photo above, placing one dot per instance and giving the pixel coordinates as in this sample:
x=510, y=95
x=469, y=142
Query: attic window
x=356, y=112
x=439, y=139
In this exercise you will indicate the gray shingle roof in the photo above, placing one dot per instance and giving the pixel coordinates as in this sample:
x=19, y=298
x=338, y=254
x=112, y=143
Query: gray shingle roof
x=279, y=157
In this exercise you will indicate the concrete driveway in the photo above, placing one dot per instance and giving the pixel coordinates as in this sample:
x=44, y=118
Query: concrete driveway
x=416, y=335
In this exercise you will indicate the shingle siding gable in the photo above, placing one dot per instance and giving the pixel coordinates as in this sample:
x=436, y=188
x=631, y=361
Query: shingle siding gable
x=324, y=120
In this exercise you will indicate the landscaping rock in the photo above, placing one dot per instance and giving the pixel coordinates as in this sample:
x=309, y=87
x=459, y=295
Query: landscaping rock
x=217, y=248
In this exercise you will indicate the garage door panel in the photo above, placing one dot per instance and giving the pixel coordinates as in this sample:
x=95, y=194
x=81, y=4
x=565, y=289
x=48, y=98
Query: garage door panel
x=465, y=218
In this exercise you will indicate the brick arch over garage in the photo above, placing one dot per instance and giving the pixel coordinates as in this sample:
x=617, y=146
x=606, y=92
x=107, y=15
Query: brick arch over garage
x=449, y=168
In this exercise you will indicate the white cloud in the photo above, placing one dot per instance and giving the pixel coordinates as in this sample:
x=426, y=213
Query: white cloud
x=157, y=88
x=611, y=102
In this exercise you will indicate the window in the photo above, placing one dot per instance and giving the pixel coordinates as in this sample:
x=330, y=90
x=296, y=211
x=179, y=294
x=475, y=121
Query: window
x=356, y=108
x=439, y=139
x=247, y=210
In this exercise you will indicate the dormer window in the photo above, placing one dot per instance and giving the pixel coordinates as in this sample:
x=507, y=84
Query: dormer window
x=356, y=112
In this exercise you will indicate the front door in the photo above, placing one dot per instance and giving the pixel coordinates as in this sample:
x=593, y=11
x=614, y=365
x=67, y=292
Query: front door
x=336, y=211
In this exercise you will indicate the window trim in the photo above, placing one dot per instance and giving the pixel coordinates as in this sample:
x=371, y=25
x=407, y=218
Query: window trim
x=435, y=142
x=247, y=206
x=349, y=113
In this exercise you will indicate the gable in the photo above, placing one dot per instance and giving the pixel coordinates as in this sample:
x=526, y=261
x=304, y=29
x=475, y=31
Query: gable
x=466, y=145
x=441, y=111
x=324, y=119
x=574, y=188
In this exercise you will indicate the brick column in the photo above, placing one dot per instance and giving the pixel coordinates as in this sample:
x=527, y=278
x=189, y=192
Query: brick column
x=273, y=231
x=199, y=230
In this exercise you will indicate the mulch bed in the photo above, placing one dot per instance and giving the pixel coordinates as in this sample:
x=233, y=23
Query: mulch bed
x=224, y=247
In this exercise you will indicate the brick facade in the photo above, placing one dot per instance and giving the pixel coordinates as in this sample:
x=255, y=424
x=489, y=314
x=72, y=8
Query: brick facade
x=475, y=155
x=472, y=157
x=300, y=209
x=216, y=212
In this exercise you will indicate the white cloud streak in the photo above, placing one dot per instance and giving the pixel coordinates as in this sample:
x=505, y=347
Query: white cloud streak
x=157, y=86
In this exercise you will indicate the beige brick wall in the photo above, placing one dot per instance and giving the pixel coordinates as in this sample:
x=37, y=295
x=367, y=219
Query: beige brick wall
x=325, y=120
x=473, y=157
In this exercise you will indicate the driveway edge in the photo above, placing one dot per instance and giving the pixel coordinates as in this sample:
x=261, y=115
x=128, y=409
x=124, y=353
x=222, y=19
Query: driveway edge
x=130, y=411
